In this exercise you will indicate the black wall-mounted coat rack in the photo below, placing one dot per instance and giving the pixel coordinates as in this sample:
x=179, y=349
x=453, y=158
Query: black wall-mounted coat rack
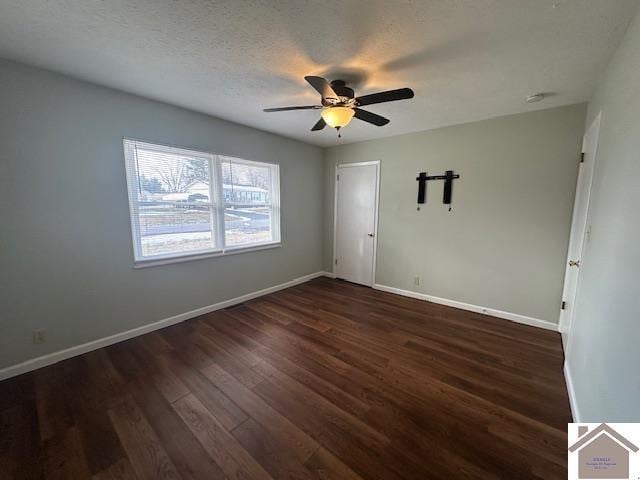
x=448, y=178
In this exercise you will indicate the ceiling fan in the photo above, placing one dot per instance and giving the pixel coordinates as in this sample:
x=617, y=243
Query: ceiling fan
x=339, y=104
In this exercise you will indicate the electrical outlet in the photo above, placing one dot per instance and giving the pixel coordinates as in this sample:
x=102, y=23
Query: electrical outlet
x=39, y=336
x=416, y=280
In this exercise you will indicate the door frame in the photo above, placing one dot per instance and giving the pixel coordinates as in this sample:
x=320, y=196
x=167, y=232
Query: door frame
x=337, y=168
x=566, y=330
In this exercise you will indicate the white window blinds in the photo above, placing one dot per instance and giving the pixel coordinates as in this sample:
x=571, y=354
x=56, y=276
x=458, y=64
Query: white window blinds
x=185, y=203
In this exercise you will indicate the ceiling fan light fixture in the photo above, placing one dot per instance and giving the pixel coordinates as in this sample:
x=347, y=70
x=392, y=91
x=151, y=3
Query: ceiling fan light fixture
x=338, y=104
x=337, y=117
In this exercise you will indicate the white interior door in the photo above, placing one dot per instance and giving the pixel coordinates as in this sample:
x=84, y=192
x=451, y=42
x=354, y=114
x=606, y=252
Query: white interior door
x=579, y=228
x=356, y=221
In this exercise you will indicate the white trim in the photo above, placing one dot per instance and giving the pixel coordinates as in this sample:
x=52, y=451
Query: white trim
x=573, y=401
x=199, y=256
x=276, y=204
x=358, y=164
x=377, y=164
x=335, y=218
x=514, y=317
x=60, y=355
x=216, y=196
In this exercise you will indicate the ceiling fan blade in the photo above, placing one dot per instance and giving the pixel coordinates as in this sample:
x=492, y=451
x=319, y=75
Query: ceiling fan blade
x=285, y=109
x=388, y=96
x=370, y=117
x=319, y=125
x=322, y=86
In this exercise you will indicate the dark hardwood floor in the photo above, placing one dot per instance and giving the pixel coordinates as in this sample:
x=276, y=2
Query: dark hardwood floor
x=325, y=380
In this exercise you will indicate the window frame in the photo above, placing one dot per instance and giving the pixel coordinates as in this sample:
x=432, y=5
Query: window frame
x=216, y=204
x=274, y=203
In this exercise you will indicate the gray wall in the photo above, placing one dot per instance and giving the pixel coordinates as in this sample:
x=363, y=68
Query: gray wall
x=511, y=209
x=603, y=351
x=66, y=257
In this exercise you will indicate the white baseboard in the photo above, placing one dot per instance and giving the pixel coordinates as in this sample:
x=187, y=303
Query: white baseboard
x=573, y=401
x=60, y=355
x=514, y=317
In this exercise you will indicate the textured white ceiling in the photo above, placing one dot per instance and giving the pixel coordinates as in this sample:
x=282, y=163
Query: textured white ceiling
x=465, y=59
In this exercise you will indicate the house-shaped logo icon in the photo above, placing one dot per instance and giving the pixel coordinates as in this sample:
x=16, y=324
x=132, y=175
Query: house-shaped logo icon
x=602, y=453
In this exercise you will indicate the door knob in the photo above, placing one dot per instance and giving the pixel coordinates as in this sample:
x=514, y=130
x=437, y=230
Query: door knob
x=370, y=234
x=574, y=263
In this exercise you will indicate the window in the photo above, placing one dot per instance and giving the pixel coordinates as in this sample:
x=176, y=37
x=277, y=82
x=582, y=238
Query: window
x=185, y=203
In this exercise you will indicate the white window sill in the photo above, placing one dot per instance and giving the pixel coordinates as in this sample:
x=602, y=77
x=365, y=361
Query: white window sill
x=200, y=256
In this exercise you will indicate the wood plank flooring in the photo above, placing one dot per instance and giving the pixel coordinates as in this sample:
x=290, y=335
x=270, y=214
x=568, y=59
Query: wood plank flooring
x=325, y=380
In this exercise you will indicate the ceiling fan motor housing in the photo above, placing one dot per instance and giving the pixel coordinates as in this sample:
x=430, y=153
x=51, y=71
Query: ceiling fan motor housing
x=345, y=93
